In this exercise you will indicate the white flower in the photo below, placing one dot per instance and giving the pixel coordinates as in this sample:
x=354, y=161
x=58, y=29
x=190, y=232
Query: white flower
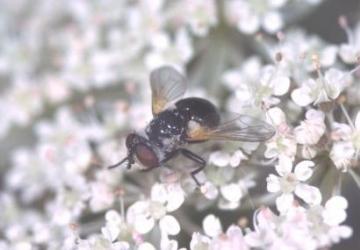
x=322, y=89
x=146, y=246
x=24, y=100
x=199, y=242
x=325, y=221
x=233, y=193
x=290, y=182
x=169, y=225
x=350, y=52
x=102, y=196
x=310, y=130
x=256, y=86
x=347, y=143
x=223, y=159
x=355, y=135
x=341, y=154
x=164, y=51
x=283, y=143
x=212, y=226
x=249, y=16
x=164, y=198
x=334, y=212
x=209, y=190
x=201, y=15
x=298, y=49
x=233, y=239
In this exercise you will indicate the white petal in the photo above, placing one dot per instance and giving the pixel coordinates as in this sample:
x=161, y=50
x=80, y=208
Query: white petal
x=310, y=194
x=284, y=166
x=345, y=232
x=138, y=214
x=328, y=56
x=284, y=202
x=272, y=22
x=276, y=116
x=273, y=183
x=231, y=192
x=334, y=217
x=110, y=232
x=303, y=170
x=281, y=85
x=313, y=114
x=357, y=121
x=144, y=224
x=336, y=202
x=348, y=53
x=199, y=242
x=169, y=225
x=212, y=226
x=112, y=216
x=250, y=24
x=277, y=3
x=301, y=97
x=219, y=158
x=209, y=190
x=159, y=193
x=146, y=246
x=236, y=158
x=175, y=198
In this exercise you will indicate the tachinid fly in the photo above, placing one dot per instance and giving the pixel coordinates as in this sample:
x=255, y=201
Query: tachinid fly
x=178, y=123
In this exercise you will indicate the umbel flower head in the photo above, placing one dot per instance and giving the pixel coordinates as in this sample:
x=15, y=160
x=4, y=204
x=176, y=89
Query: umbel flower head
x=74, y=81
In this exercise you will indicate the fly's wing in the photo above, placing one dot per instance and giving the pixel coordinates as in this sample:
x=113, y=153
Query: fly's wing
x=240, y=128
x=167, y=85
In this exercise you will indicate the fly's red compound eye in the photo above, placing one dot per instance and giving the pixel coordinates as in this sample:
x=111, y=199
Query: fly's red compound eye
x=146, y=156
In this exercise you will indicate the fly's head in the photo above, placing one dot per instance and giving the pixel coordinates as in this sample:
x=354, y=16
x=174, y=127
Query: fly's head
x=141, y=148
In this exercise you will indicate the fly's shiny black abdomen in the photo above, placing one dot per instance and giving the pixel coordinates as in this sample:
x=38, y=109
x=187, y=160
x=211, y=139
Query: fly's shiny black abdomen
x=199, y=110
x=169, y=128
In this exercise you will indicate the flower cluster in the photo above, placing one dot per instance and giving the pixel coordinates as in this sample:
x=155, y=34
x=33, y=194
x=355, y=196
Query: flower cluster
x=74, y=82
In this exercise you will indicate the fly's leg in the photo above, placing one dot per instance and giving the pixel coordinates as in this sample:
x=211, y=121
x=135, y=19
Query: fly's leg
x=197, y=159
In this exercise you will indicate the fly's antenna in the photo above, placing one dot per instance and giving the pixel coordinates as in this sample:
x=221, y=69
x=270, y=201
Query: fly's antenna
x=119, y=163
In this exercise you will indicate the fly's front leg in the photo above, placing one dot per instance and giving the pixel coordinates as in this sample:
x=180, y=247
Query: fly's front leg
x=200, y=161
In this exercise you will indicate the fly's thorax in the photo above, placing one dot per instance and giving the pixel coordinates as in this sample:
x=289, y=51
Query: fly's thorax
x=166, y=128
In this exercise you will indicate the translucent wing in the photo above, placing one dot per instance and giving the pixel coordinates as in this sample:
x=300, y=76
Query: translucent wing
x=240, y=128
x=167, y=85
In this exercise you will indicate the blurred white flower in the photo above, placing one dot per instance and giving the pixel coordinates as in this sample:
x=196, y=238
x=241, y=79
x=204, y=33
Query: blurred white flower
x=216, y=239
x=290, y=182
x=255, y=85
x=223, y=159
x=164, y=51
x=350, y=51
x=212, y=225
x=341, y=154
x=199, y=242
x=298, y=49
x=347, y=143
x=164, y=198
x=234, y=192
x=250, y=16
x=283, y=143
x=310, y=130
x=23, y=100
x=101, y=196
x=201, y=15
x=322, y=89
